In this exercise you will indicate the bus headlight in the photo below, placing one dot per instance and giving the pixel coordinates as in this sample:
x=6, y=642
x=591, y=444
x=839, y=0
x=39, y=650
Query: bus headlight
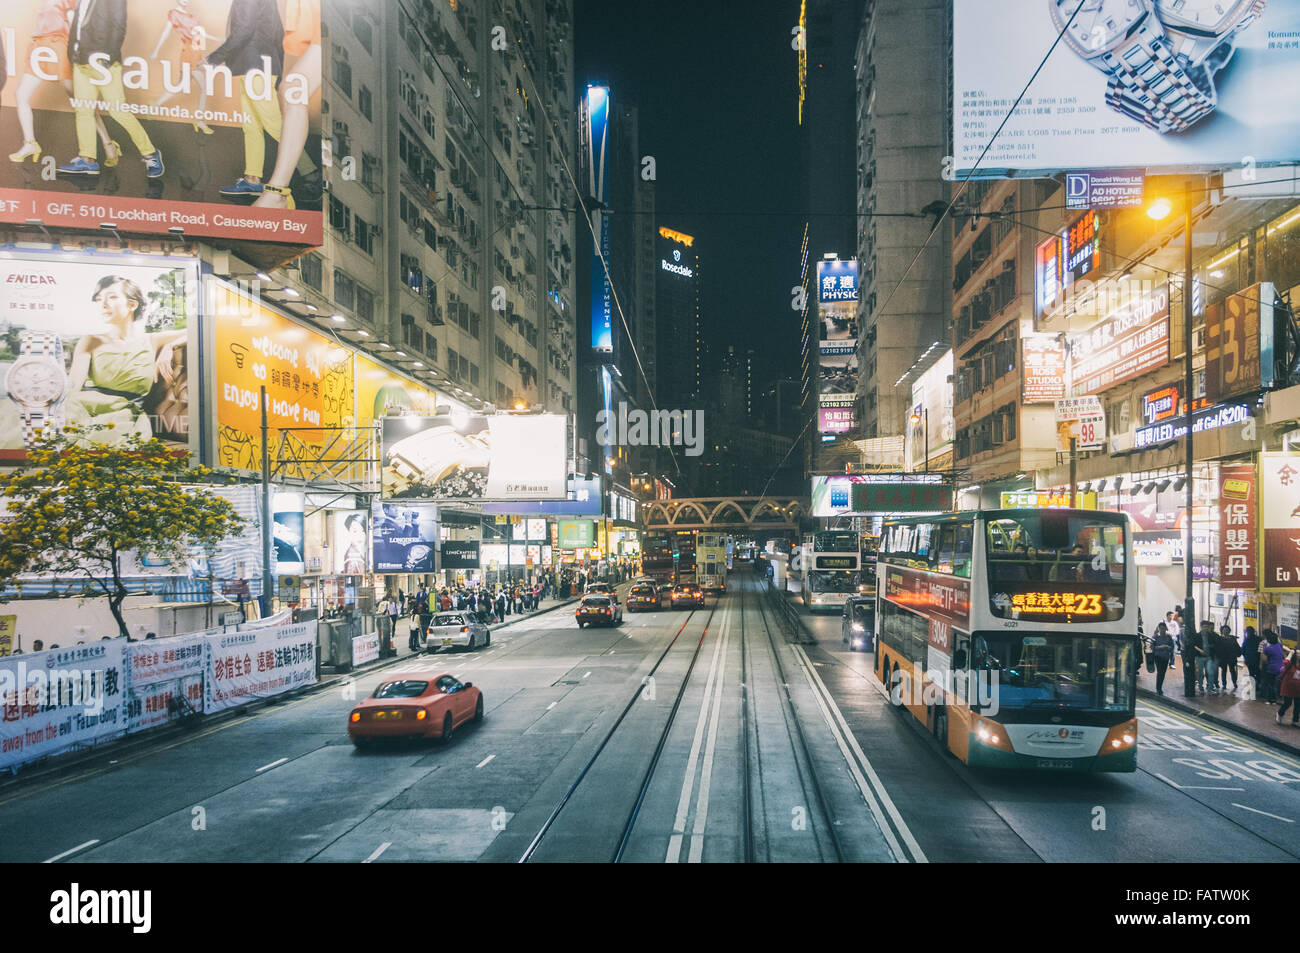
x=1121, y=737
x=990, y=733
x=856, y=627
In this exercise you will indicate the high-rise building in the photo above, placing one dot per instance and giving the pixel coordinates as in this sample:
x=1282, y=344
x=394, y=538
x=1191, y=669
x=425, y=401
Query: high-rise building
x=677, y=313
x=902, y=109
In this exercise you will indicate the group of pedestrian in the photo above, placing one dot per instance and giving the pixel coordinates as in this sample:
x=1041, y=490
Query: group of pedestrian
x=1210, y=661
x=487, y=603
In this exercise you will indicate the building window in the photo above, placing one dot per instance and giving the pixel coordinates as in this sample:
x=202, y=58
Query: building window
x=312, y=270
x=365, y=101
x=363, y=236
x=342, y=70
x=340, y=217
x=345, y=290
x=365, y=305
x=364, y=31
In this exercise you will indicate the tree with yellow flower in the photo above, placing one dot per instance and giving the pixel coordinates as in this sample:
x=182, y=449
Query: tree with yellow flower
x=77, y=506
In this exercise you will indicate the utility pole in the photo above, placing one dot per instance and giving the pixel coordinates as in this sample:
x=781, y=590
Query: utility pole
x=267, y=580
x=1189, y=605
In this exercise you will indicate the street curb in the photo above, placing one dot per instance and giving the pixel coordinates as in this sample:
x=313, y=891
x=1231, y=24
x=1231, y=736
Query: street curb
x=1220, y=721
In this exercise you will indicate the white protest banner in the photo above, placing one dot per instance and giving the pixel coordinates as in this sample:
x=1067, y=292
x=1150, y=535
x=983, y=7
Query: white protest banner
x=258, y=663
x=365, y=648
x=52, y=701
x=160, y=669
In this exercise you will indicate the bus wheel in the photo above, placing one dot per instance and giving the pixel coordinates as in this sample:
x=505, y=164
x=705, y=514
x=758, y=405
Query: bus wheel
x=895, y=687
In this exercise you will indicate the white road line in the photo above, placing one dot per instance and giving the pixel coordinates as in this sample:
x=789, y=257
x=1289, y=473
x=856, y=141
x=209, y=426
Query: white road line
x=378, y=850
x=706, y=775
x=885, y=800
x=1191, y=787
x=485, y=761
x=586, y=675
x=69, y=853
x=551, y=705
x=688, y=783
x=1265, y=813
x=268, y=767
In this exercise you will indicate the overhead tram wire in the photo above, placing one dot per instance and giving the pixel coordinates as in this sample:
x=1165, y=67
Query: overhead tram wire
x=595, y=239
x=987, y=146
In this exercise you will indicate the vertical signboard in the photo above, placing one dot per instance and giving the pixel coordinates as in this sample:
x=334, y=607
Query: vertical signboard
x=1279, y=518
x=1063, y=259
x=1239, y=343
x=1044, y=364
x=837, y=304
x=156, y=114
x=596, y=116
x=1237, y=546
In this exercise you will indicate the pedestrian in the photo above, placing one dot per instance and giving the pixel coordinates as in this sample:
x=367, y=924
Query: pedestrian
x=1273, y=660
x=1162, y=649
x=38, y=646
x=1289, y=686
x=1229, y=650
x=1250, y=655
x=1207, y=665
x=424, y=619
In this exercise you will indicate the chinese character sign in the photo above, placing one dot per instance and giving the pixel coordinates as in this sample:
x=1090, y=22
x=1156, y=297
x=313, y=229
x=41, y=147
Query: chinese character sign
x=1237, y=527
x=1279, y=512
x=258, y=663
x=1235, y=330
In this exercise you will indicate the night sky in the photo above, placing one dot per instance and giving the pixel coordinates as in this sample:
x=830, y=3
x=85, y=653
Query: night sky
x=715, y=84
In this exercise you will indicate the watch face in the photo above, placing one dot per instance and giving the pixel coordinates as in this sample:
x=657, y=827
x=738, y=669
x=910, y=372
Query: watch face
x=1202, y=17
x=1098, y=24
x=35, y=382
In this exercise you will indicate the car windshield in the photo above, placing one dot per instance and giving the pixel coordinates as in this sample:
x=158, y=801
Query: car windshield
x=1051, y=670
x=448, y=620
x=408, y=688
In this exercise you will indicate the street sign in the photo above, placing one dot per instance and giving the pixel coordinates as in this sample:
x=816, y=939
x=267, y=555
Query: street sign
x=1083, y=419
x=234, y=617
x=290, y=588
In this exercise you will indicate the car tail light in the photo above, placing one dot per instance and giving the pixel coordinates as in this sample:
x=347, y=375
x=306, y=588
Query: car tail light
x=356, y=716
x=464, y=628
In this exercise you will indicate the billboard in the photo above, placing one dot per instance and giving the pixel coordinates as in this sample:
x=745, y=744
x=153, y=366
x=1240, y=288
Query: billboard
x=1118, y=188
x=595, y=116
x=462, y=457
x=1132, y=341
x=1239, y=343
x=404, y=538
x=460, y=554
x=837, y=352
x=1113, y=94
x=350, y=543
x=582, y=499
x=95, y=340
x=1044, y=364
x=837, y=280
x=836, y=419
x=1063, y=259
x=930, y=431
x=832, y=495
x=1237, y=537
x=576, y=534
x=287, y=528
x=1279, y=521
x=148, y=114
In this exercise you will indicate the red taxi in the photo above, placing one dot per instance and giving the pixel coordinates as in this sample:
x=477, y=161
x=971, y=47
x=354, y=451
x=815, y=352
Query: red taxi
x=643, y=596
x=415, y=704
x=598, y=610
x=687, y=594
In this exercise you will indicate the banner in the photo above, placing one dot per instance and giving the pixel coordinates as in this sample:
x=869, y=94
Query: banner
x=1101, y=100
x=91, y=340
x=404, y=537
x=1279, y=519
x=470, y=458
x=258, y=663
x=460, y=554
x=1239, y=343
x=1237, y=543
x=8, y=635
x=365, y=648
x=192, y=89
x=350, y=543
x=159, y=670
x=60, y=699
x=287, y=532
x=576, y=534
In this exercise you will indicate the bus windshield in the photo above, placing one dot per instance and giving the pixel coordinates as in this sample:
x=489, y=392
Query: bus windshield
x=1048, y=546
x=1052, y=670
x=835, y=542
x=841, y=581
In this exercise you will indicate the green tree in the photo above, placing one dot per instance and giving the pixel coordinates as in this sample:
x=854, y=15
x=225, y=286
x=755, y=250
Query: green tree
x=76, y=506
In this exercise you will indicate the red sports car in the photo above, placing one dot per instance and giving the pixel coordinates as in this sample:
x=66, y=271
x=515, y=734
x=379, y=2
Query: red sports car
x=417, y=704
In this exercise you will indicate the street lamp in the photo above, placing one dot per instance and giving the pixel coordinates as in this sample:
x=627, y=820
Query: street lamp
x=916, y=419
x=1160, y=209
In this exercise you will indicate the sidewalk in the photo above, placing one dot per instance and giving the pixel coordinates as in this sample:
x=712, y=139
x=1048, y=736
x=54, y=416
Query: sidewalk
x=1252, y=718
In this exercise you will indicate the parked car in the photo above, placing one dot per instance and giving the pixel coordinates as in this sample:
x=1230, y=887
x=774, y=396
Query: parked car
x=449, y=629
x=643, y=596
x=687, y=594
x=416, y=704
x=598, y=609
x=858, y=624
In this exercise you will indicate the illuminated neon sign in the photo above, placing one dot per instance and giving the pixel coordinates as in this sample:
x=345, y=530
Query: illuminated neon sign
x=680, y=237
x=1055, y=603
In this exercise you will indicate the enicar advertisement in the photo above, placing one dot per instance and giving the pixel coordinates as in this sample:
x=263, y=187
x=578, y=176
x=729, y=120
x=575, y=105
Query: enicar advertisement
x=1145, y=84
x=202, y=115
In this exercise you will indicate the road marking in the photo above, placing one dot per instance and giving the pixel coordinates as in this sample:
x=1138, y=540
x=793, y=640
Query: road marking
x=706, y=775
x=688, y=783
x=586, y=675
x=378, y=850
x=844, y=735
x=268, y=767
x=69, y=853
x=1191, y=787
x=485, y=761
x=551, y=705
x=1215, y=729
x=1265, y=813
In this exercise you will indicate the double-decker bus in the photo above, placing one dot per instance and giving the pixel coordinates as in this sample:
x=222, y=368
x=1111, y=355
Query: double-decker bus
x=1012, y=635
x=867, y=565
x=657, y=557
x=684, y=547
x=830, y=569
x=711, y=560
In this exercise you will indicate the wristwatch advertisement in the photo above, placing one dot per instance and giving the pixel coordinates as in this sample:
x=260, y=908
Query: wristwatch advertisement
x=37, y=382
x=1161, y=55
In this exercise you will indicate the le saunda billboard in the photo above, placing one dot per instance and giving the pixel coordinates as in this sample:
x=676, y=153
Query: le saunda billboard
x=162, y=114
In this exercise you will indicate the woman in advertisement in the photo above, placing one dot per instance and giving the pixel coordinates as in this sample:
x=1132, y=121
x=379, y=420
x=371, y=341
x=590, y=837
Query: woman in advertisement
x=354, y=553
x=50, y=32
x=194, y=40
x=113, y=370
x=302, y=54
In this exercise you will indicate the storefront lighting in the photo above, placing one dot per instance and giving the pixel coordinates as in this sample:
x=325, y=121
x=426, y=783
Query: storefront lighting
x=1159, y=209
x=264, y=276
x=1179, y=484
x=1149, y=488
x=1164, y=485
x=1285, y=223
x=1217, y=273
x=1224, y=260
x=291, y=292
x=337, y=318
x=363, y=332
x=312, y=308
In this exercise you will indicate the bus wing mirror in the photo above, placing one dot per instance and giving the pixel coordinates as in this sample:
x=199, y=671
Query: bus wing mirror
x=959, y=659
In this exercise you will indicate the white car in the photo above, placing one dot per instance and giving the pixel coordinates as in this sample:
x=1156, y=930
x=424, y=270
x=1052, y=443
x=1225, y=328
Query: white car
x=453, y=629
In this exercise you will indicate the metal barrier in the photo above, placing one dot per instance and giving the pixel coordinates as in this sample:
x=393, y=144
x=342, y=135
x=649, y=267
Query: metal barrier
x=787, y=616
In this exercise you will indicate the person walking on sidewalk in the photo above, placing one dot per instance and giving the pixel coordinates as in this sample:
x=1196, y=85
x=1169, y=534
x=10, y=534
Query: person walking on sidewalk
x=1228, y=650
x=1207, y=666
x=1162, y=647
x=1273, y=660
x=1290, y=689
x=1250, y=655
